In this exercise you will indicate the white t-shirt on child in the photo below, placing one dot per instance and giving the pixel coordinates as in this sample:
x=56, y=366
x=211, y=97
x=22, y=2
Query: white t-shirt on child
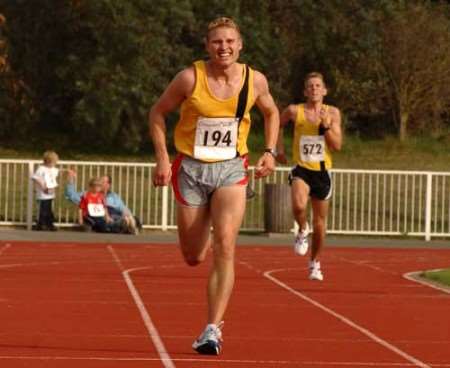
x=47, y=175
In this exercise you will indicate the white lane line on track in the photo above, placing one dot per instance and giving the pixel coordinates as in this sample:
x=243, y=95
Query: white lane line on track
x=150, y=326
x=63, y=262
x=229, y=338
x=365, y=263
x=414, y=276
x=250, y=267
x=259, y=363
x=12, y=265
x=416, y=362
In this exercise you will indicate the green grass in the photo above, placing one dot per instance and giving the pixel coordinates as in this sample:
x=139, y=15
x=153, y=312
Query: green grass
x=442, y=277
x=418, y=153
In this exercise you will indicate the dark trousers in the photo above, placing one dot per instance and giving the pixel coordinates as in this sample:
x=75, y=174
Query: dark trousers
x=45, y=218
x=118, y=225
x=98, y=224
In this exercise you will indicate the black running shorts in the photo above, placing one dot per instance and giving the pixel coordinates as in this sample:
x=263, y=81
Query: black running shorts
x=319, y=182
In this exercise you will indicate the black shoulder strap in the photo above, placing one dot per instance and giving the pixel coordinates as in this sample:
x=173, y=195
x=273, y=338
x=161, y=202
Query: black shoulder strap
x=243, y=97
x=242, y=101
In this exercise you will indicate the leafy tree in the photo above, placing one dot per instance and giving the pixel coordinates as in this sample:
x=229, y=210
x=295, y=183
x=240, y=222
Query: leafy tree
x=86, y=72
x=39, y=38
x=126, y=52
x=395, y=63
x=415, y=60
x=16, y=109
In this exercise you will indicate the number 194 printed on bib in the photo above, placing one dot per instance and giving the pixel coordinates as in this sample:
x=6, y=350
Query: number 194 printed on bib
x=216, y=138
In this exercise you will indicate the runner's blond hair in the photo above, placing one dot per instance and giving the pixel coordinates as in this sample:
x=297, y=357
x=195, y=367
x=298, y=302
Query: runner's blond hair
x=314, y=75
x=222, y=22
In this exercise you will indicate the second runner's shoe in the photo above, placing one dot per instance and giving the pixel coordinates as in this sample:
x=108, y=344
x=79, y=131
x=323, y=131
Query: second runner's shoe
x=301, y=241
x=210, y=341
x=315, y=273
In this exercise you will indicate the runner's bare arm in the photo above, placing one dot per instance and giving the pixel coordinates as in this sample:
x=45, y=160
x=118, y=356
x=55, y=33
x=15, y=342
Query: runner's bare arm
x=180, y=88
x=288, y=114
x=264, y=101
x=333, y=135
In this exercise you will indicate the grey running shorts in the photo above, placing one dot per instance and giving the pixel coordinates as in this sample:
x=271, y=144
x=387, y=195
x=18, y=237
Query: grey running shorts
x=195, y=181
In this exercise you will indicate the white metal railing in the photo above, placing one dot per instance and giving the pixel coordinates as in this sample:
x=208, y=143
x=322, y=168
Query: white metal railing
x=366, y=202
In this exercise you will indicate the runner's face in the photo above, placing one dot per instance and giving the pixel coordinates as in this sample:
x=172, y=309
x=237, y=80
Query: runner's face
x=315, y=90
x=223, y=45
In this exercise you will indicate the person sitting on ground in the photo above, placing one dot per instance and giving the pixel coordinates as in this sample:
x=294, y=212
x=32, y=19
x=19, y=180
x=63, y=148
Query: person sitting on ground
x=122, y=219
x=93, y=212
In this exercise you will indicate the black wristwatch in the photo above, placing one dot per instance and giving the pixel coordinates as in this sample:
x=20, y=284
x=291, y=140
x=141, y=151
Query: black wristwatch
x=323, y=128
x=272, y=151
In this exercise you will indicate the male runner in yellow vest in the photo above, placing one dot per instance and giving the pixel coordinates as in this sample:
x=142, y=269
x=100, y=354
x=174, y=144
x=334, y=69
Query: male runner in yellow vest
x=209, y=175
x=317, y=131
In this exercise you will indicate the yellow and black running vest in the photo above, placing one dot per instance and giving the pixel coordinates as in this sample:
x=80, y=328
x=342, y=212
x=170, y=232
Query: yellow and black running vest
x=209, y=128
x=309, y=145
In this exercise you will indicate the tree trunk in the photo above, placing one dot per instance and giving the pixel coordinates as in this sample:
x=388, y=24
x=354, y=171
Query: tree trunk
x=403, y=131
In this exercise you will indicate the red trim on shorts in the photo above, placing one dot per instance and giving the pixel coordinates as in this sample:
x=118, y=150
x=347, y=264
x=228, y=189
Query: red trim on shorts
x=175, y=185
x=244, y=181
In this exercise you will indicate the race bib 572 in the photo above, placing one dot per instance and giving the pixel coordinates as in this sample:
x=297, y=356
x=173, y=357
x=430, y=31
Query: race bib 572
x=312, y=148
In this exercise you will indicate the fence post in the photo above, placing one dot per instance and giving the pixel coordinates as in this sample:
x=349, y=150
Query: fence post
x=165, y=208
x=428, y=206
x=30, y=196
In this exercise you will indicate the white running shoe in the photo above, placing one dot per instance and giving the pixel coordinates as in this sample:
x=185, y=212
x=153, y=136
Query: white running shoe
x=301, y=241
x=210, y=341
x=315, y=272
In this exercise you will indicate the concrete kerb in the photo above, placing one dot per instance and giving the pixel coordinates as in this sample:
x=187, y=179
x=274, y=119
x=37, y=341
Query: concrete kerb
x=170, y=237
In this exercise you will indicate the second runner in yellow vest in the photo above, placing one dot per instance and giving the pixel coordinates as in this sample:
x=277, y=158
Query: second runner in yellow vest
x=310, y=149
x=317, y=131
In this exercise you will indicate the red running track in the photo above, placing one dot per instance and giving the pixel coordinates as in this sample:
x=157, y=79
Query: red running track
x=91, y=306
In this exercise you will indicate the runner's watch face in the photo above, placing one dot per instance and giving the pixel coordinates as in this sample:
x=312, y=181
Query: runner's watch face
x=272, y=151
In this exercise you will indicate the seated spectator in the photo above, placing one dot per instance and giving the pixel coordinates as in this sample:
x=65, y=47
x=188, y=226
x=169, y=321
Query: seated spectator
x=122, y=219
x=92, y=208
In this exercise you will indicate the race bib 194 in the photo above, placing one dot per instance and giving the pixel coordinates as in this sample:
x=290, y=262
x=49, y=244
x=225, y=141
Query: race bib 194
x=312, y=148
x=96, y=209
x=216, y=138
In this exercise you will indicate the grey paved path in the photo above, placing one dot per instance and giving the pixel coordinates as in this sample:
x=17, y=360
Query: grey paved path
x=170, y=237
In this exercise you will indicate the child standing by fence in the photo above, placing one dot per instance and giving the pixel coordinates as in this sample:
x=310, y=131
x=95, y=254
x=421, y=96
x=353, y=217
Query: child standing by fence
x=45, y=184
